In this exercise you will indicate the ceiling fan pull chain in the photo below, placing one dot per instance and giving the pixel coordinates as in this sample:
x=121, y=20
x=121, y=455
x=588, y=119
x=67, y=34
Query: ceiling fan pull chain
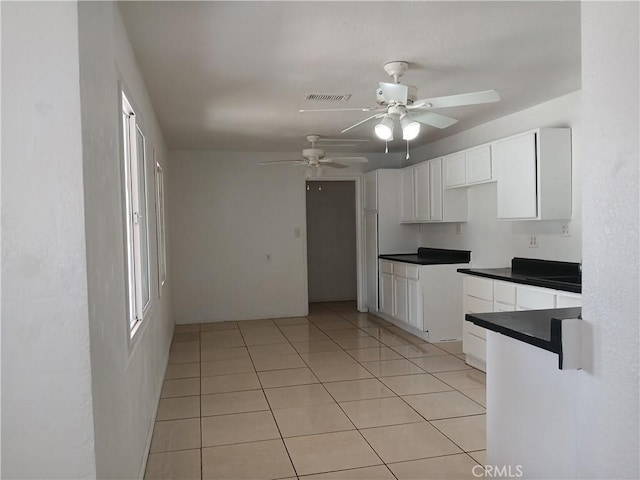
x=407, y=157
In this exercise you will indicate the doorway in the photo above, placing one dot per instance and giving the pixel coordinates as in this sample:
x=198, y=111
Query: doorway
x=332, y=235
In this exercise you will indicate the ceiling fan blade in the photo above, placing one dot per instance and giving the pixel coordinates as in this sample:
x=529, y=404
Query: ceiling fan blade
x=345, y=159
x=342, y=140
x=474, y=98
x=360, y=109
x=377, y=115
x=333, y=165
x=419, y=104
x=434, y=119
x=339, y=142
x=274, y=162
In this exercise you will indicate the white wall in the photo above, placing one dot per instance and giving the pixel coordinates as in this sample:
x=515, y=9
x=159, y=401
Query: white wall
x=494, y=243
x=47, y=412
x=127, y=378
x=228, y=213
x=607, y=442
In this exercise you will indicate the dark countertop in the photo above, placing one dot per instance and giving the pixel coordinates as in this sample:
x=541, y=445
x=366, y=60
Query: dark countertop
x=431, y=256
x=540, y=328
x=563, y=276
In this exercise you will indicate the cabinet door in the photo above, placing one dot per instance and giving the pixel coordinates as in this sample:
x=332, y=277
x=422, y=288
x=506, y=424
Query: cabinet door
x=515, y=160
x=454, y=170
x=478, y=164
x=407, y=210
x=414, y=303
x=435, y=190
x=421, y=177
x=386, y=293
x=400, y=296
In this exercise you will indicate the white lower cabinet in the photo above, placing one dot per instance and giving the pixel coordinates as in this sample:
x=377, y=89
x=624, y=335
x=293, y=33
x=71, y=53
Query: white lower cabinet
x=386, y=290
x=422, y=299
x=400, y=299
x=478, y=298
x=568, y=300
x=414, y=304
x=484, y=295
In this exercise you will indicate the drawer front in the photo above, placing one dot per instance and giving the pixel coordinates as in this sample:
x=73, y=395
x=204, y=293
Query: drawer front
x=504, y=293
x=535, y=299
x=386, y=267
x=413, y=272
x=475, y=346
x=474, y=329
x=400, y=270
x=501, y=307
x=567, y=301
x=476, y=305
x=479, y=288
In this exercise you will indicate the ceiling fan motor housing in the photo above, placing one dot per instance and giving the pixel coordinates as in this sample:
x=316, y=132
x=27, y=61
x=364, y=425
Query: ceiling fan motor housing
x=313, y=153
x=411, y=96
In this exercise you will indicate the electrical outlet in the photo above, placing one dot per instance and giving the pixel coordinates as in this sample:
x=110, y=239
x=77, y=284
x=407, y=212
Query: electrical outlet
x=533, y=241
x=565, y=230
x=458, y=228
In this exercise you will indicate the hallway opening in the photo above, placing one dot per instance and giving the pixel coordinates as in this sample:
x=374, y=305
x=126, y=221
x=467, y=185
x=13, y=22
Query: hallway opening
x=331, y=241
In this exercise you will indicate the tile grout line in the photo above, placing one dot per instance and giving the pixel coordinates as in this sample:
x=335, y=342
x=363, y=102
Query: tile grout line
x=343, y=350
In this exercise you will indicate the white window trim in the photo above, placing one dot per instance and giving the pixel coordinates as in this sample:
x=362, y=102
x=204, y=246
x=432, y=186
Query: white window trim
x=135, y=222
x=160, y=227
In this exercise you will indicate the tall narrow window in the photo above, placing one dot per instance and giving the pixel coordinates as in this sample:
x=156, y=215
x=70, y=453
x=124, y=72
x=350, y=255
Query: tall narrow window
x=137, y=235
x=162, y=246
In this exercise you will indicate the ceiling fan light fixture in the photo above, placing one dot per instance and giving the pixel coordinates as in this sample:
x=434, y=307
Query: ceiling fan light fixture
x=384, y=130
x=410, y=128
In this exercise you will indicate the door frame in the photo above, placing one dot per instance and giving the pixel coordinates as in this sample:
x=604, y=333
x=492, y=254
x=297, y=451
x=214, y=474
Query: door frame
x=357, y=179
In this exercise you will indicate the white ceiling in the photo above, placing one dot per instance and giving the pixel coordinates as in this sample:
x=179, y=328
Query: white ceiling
x=233, y=75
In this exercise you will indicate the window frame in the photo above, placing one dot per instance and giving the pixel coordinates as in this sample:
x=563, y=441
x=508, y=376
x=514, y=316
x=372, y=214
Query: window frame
x=137, y=253
x=160, y=225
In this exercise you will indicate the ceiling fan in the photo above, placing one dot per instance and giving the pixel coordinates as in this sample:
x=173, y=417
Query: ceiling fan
x=398, y=103
x=315, y=158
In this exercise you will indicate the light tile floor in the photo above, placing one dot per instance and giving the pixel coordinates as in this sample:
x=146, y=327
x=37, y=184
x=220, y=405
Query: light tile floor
x=334, y=395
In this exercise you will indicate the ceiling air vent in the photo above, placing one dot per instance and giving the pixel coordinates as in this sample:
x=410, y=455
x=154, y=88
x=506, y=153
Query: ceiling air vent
x=328, y=97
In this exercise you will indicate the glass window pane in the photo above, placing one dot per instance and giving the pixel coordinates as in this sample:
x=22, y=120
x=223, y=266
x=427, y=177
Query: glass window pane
x=144, y=235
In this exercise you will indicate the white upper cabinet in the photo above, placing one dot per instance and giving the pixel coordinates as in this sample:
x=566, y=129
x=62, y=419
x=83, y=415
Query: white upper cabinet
x=422, y=192
x=468, y=167
x=407, y=201
x=478, y=165
x=435, y=190
x=423, y=199
x=533, y=172
x=455, y=170
x=517, y=189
